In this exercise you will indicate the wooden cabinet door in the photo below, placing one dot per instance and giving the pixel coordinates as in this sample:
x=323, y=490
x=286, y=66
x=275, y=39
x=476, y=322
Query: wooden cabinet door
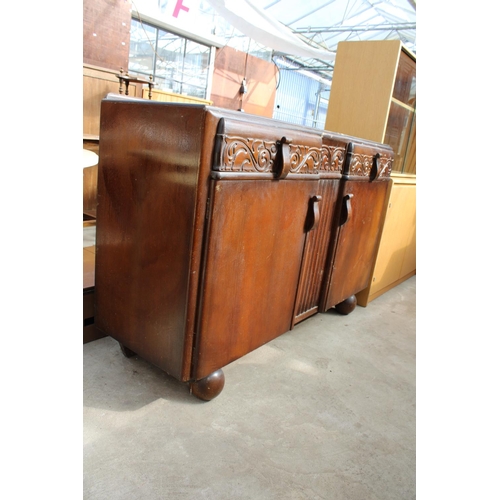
x=360, y=225
x=397, y=255
x=253, y=256
x=315, y=252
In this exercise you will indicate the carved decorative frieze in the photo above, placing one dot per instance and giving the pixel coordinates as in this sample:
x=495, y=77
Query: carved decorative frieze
x=240, y=154
x=333, y=158
x=361, y=165
x=304, y=159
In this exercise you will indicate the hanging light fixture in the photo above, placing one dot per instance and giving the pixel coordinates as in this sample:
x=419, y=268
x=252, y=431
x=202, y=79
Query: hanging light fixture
x=243, y=87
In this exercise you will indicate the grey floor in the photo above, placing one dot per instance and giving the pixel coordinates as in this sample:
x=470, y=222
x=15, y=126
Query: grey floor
x=326, y=411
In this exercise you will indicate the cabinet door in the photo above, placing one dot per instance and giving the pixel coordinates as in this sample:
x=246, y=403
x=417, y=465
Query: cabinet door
x=397, y=255
x=315, y=253
x=253, y=256
x=358, y=235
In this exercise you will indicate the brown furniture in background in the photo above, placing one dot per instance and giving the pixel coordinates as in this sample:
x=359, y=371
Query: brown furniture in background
x=216, y=230
x=125, y=78
x=165, y=96
x=90, y=333
x=97, y=84
x=231, y=66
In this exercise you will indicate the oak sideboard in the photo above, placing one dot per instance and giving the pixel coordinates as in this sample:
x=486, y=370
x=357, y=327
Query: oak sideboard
x=218, y=231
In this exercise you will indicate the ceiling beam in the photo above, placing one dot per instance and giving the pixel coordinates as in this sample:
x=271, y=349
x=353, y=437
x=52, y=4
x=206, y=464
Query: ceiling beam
x=342, y=29
x=271, y=4
x=309, y=12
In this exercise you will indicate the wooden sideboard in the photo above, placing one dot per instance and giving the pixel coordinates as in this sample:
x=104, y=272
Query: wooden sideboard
x=218, y=231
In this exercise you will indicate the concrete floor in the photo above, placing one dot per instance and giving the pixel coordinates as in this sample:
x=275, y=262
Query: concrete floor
x=326, y=411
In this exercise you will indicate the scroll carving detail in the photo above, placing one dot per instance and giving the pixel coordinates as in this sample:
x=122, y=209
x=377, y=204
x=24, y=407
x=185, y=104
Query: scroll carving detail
x=239, y=154
x=361, y=165
x=304, y=159
x=333, y=158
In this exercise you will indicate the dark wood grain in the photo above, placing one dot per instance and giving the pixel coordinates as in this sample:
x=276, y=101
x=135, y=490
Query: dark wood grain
x=217, y=231
x=315, y=253
x=253, y=262
x=146, y=205
x=356, y=240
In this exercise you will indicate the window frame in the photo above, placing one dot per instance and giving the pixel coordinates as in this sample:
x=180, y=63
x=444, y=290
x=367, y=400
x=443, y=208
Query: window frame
x=179, y=75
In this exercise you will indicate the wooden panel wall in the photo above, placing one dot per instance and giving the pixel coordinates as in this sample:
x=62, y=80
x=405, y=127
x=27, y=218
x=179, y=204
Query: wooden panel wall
x=164, y=96
x=231, y=66
x=106, y=33
x=97, y=83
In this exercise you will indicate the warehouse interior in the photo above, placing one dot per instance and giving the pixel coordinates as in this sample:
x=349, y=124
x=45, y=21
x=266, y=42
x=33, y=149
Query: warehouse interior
x=350, y=429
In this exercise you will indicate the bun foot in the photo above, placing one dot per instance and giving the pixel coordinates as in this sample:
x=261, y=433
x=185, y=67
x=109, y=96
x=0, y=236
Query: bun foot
x=209, y=387
x=126, y=351
x=347, y=306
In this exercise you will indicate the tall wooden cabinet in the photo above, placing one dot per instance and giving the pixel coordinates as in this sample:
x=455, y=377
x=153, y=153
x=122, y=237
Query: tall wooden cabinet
x=373, y=96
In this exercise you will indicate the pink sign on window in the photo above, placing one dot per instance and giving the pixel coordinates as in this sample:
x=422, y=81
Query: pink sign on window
x=178, y=7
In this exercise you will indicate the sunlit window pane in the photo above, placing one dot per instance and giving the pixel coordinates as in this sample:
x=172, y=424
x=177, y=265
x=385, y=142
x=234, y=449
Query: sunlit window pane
x=142, y=48
x=177, y=64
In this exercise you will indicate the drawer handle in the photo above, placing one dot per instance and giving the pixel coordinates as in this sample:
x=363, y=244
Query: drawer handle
x=346, y=212
x=313, y=214
x=375, y=172
x=283, y=164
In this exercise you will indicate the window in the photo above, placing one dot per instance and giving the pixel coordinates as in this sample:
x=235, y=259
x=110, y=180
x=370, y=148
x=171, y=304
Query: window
x=177, y=64
x=300, y=98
